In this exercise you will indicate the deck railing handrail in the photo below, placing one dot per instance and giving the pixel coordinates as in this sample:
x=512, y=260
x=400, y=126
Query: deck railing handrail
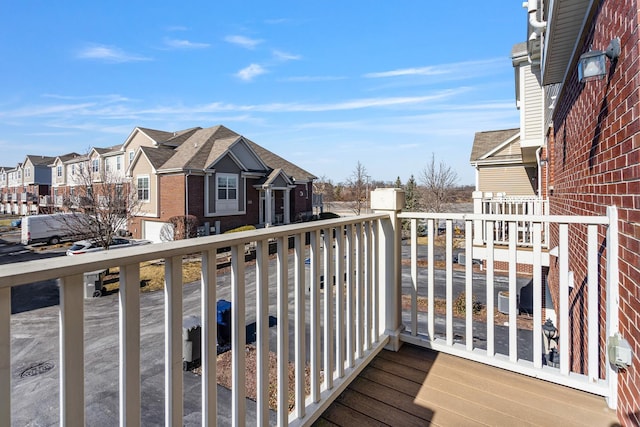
x=359, y=312
x=597, y=378
x=350, y=248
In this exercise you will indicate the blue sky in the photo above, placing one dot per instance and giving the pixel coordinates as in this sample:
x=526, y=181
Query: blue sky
x=324, y=84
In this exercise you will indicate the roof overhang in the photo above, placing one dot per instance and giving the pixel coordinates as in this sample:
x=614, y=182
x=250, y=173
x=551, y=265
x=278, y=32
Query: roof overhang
x=566, y=20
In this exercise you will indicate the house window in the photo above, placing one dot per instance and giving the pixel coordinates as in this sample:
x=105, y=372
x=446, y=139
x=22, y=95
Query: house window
x=27, y=172
x=226, y=192
x=107, y=165
x=95, y=165
x=59, y=171
x=143, y=188
x=118, y=163
x=131, y=153
x=227, y=187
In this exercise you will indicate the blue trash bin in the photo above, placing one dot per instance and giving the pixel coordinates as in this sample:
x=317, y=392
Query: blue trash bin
x=223, y=308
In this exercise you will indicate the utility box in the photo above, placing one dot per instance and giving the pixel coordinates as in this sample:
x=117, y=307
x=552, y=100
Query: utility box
x=223, y=308
x=191, y=342
x=93, y=283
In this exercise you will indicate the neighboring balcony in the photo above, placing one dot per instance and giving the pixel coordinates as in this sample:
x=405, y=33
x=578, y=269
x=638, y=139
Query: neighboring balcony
x=46, y=201
x=346, y=294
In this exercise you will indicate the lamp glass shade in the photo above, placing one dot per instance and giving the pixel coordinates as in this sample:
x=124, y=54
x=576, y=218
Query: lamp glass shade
x=592, y=65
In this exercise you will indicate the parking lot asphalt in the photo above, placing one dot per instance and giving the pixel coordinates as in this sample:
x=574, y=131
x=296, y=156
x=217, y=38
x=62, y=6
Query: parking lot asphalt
x=35, y=365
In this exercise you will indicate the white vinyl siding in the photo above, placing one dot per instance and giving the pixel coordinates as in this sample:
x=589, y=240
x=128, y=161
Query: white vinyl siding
x=511, y=180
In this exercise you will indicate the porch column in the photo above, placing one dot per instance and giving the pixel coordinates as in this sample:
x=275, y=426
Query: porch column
x=268, y=220
x=477, y=224
x=390, y=201
x=287, y=206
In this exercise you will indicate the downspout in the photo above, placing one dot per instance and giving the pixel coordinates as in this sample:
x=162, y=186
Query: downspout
x=532, y=6
x=538, y=161
x=538, y=26
x=186, y=193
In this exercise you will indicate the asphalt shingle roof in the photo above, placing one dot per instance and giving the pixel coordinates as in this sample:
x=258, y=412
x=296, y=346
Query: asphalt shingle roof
x=483, y=142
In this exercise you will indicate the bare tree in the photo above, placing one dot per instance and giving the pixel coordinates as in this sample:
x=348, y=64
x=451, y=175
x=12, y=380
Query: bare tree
x=101, y=201
x=438, y=181
x=359, y=183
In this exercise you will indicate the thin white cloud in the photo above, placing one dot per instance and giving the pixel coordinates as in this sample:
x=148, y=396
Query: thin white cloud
x=243, y=41
x=48, y=110
x=109, y=54
x=465, y=67
x=185, y=44
x=249, y=73
x=284, y=56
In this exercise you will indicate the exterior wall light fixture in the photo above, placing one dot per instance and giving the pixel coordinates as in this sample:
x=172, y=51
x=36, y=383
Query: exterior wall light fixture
x=593, y=65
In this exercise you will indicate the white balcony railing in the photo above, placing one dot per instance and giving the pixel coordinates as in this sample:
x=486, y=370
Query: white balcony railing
x=502, y=346
x=346, y=317
x=45, y=201
x=524, y=206
x=336, y=330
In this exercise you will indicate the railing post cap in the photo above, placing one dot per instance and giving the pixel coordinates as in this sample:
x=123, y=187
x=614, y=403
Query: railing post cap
x=387, y=199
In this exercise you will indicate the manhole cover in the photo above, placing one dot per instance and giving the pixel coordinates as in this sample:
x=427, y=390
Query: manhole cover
x=36, y=369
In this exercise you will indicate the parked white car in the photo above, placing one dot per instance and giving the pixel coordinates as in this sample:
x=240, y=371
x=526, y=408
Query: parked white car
x=93, y=245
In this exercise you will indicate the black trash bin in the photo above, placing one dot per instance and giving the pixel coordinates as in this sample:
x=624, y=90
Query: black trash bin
x=224, y=322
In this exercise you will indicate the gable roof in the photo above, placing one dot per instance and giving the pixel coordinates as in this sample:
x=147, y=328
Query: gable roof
x=276, y=162
x=157, y=156
x=39, y=160
x=488, y=141
x=198, y=148
x=156, y=135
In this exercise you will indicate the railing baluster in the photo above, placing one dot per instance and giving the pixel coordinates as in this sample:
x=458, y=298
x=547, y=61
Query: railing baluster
x=72, y=351
x=431, y=281
x=449, y=279
x=328, y=307
x=349, y=317
x=593, y=297
x=300, y=324
x=513, y=297
x=262, y=332
x=367, y=286
x=5, y=356
x=238, y=336
x=209, y=336
x=490, y=294
x=414, y=277
x=377, y=321
x=339, y=289
x=563, y=315
x=468, y=283
x=537, y=295
x=173, y=341
x=282, y=272
x=129, y=324
x=314, y=332
x=359, y=291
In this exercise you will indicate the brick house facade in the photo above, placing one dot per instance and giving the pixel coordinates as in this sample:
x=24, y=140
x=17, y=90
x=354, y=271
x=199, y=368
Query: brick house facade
x=594, y=158
x=217, y=176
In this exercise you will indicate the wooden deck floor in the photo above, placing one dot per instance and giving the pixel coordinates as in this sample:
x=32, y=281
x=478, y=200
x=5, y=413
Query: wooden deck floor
x=418, y=387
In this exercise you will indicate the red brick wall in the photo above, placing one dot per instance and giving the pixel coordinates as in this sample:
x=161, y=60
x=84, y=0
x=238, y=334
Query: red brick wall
x=596, y=163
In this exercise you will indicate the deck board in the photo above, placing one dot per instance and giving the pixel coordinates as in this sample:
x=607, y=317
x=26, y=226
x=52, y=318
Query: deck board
x=416, y=386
